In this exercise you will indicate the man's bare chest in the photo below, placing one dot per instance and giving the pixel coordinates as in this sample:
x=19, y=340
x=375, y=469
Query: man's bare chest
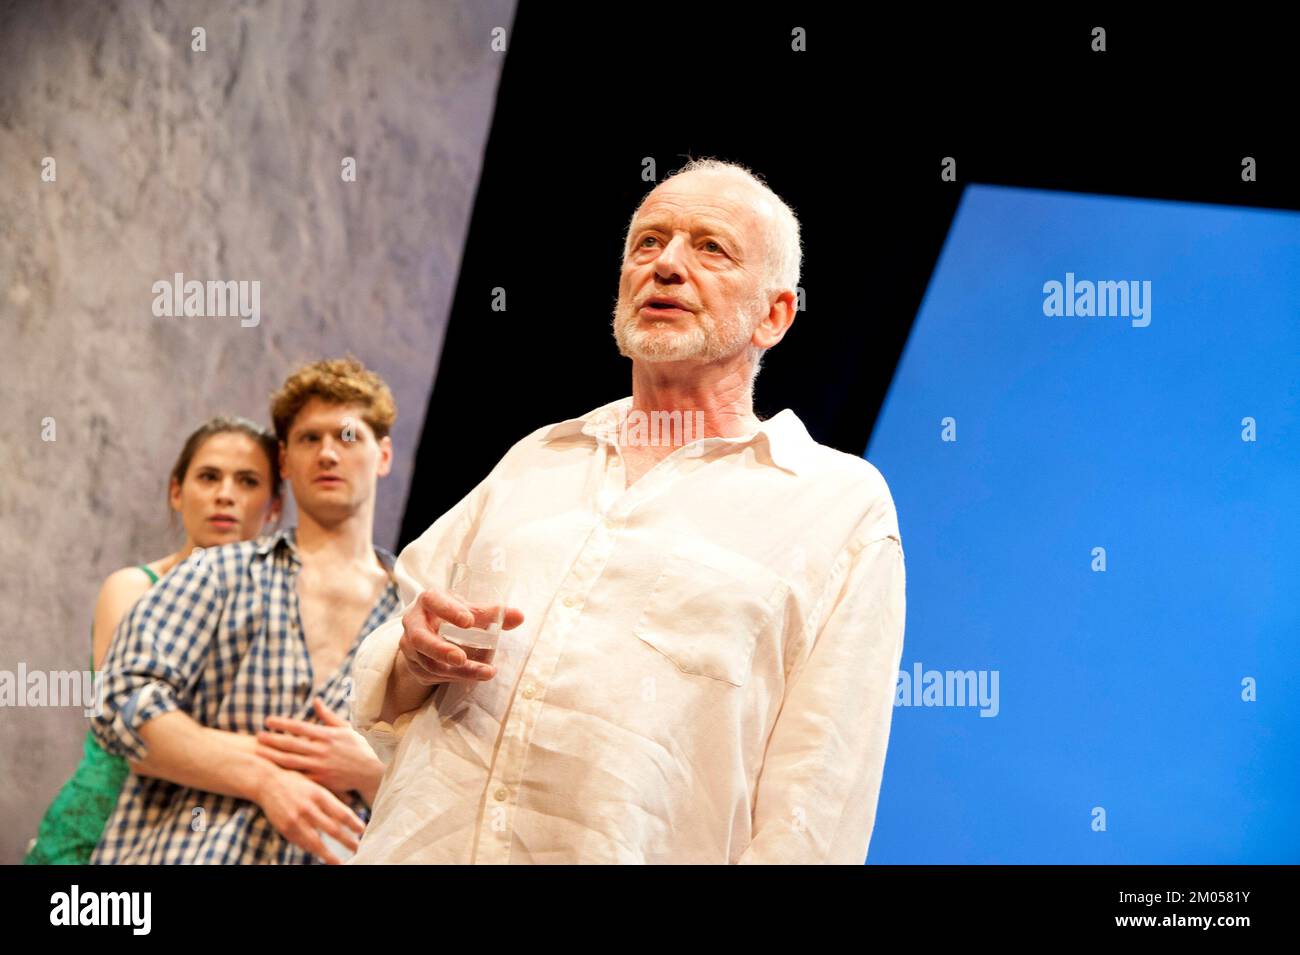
x=637, y=462
x=332, y=614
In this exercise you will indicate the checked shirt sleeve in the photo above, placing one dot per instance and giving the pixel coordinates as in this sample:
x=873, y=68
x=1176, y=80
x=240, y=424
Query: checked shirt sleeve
x=158, y=653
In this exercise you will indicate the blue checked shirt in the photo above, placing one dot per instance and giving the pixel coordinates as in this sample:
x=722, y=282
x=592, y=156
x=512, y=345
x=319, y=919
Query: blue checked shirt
x=219, y=638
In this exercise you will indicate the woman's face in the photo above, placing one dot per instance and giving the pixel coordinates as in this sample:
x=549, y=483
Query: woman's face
x=226, y=494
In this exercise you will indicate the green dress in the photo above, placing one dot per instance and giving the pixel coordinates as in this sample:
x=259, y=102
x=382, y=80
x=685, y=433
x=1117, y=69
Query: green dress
x=72, y=825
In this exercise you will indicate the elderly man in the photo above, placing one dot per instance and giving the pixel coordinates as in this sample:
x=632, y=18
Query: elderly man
x=699, y=658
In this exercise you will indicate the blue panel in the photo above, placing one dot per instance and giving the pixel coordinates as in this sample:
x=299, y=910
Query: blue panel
x=1120, y=689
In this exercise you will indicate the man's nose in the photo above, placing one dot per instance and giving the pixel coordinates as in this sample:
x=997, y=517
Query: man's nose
x=328, y=450
x=668, y=263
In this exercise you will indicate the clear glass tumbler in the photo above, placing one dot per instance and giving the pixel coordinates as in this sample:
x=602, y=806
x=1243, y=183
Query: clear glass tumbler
x=484, y=590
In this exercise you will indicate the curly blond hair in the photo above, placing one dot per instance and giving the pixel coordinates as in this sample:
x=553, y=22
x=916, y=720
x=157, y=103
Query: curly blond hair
x=338, y=381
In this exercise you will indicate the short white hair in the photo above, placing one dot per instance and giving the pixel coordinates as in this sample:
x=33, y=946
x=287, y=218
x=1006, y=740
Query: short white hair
x=784, y=249
x=784, y=258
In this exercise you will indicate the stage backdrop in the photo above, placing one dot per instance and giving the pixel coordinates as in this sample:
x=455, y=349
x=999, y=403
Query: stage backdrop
x=1101, y=519
x=221, y=163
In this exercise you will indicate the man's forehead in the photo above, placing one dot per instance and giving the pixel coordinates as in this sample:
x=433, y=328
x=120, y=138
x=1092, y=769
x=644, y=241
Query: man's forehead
x=318, y=412
x=706, y=195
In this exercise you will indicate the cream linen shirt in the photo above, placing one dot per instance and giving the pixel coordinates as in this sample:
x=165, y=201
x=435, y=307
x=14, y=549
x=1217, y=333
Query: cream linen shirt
x=705, y=672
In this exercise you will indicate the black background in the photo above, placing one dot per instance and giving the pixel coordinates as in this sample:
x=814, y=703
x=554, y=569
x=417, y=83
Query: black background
x=851, y=133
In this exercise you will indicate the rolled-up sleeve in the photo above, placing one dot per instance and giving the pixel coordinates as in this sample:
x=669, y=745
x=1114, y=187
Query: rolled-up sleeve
x=157, y=655
x=424, y=563
x=820, y=781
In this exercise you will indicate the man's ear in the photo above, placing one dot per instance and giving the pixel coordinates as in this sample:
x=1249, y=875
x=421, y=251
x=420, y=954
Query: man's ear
x=385, y=456
x=780, y=316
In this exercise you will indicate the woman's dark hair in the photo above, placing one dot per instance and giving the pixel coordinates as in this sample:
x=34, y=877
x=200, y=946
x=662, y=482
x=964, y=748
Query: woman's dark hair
x=227, y=424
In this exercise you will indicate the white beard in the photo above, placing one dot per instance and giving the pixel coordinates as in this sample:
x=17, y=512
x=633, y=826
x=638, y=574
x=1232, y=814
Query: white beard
x=695, y=338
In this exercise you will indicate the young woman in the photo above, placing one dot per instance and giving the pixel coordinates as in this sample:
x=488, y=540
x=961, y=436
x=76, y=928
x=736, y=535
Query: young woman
x=226, y=487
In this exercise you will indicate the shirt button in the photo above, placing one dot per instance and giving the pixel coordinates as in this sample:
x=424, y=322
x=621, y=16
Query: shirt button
x=501, y=794
x=569, y=601
x=609, y=522
x=530, y=691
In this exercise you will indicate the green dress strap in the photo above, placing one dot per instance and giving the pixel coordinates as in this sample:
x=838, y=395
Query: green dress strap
x=71, y=827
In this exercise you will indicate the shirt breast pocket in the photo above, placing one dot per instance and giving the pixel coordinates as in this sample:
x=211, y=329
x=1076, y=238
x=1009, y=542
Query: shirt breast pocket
x=707, y=610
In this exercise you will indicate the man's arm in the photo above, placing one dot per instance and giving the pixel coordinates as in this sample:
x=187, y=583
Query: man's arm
x=153, y=663
x=182, y=751
x=185, y=752
x=385, y=696
x=157, y=655
x=817, y=791
x=404, y=693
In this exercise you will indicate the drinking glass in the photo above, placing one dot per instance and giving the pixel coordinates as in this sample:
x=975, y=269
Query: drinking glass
x=483, y=589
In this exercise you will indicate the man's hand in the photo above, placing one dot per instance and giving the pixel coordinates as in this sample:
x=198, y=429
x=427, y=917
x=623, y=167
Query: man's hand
x=334, y=755
x=426, y=658
x=300, y=809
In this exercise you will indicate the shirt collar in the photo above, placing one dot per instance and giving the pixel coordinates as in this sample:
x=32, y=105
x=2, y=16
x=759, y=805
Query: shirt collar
x=269, y=542
x=788, y=443
x=288, y=537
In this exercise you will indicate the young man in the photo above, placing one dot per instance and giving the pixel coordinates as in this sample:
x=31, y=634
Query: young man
x=224, y=684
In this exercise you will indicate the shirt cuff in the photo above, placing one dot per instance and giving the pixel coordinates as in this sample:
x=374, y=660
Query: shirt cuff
x=118, y=729
x=371, y=670
x=383, y=737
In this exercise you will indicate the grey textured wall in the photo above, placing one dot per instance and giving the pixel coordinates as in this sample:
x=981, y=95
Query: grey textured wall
x=222, y=165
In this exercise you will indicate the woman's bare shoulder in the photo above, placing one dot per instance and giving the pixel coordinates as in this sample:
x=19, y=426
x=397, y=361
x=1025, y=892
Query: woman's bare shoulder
x=126, y=585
